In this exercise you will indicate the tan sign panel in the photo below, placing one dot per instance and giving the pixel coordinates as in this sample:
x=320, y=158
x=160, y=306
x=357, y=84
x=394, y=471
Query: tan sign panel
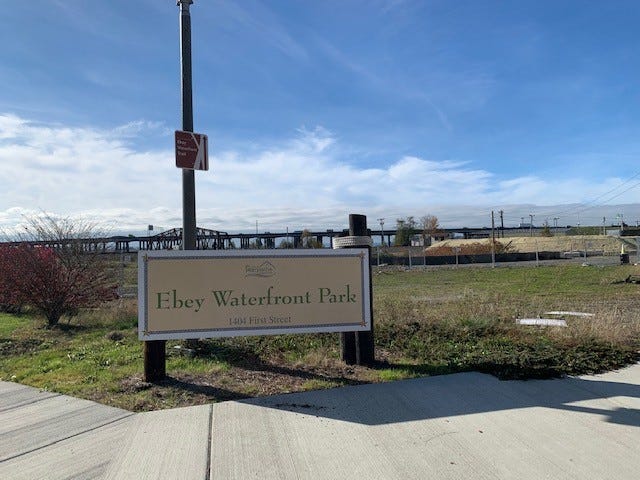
x=200, y=294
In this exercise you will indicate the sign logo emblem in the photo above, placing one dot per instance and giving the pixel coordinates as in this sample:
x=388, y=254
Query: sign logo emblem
x=265, y=269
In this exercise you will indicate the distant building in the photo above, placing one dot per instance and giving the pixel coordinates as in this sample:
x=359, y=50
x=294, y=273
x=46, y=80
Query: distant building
x=427, y=240
x=418, y=241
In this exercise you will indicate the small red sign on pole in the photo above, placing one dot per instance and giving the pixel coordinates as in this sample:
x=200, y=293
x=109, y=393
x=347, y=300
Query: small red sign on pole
x=192, y=151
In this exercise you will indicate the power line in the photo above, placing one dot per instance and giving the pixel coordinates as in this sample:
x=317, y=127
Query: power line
x=584, y=206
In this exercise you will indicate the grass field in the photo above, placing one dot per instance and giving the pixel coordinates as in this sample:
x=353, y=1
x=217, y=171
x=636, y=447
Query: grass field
x=427, y=322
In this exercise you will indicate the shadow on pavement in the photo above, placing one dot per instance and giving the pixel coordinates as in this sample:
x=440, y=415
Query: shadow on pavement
x=459, y=394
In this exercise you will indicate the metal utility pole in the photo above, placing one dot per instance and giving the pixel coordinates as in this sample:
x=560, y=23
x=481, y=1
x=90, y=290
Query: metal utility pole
x=531, y=225
x=381, y=220
x=155, y=354
x=493, y=241
x=188, y=176
x=502, y=223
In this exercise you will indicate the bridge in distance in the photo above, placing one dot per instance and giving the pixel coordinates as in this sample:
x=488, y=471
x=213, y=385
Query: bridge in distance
x=215, y=240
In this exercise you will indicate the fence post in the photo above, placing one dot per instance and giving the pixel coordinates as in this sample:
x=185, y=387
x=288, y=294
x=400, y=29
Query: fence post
x=358, y=347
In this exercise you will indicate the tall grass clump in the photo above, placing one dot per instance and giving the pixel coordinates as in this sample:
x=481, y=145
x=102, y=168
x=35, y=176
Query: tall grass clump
x=465, y=320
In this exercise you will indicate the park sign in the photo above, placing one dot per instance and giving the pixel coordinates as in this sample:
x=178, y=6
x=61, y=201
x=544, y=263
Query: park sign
x=225, y=293
x=192, y=150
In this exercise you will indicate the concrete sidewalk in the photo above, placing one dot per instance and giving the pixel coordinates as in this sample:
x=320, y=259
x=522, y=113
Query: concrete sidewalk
x=461, y=426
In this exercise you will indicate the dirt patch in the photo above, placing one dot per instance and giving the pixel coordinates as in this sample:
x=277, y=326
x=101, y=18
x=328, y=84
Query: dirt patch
x=10, y=346
x=255, y=380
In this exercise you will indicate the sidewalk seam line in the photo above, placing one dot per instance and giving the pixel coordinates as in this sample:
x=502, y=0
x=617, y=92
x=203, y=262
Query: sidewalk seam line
x=31, y=402
x=209, y=443
x=67, y=438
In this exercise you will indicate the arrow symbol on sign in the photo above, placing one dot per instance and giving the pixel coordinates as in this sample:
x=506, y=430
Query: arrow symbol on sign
x=199, y=163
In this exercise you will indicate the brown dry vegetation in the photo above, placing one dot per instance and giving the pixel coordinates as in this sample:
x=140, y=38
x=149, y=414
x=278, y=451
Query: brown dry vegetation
x=469, y=248
x=606, y=244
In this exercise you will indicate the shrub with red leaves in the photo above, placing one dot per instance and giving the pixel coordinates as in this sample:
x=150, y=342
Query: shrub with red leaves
x=55, y=282
x=10, y=299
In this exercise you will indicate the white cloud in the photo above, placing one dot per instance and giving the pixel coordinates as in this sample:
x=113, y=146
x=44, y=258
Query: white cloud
x=10, y=126
x=299, y=183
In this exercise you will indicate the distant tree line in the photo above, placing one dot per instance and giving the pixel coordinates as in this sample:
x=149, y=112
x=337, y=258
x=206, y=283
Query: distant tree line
x=406, y=228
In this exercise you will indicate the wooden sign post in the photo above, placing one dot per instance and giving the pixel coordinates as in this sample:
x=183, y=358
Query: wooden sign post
x=358, y=347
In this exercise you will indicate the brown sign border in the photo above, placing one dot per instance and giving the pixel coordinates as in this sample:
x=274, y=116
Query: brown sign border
x=360, y=324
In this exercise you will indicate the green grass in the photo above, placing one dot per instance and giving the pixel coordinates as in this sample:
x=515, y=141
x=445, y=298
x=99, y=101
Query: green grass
x=427, y=322
x=447, y=320
x=9, y=323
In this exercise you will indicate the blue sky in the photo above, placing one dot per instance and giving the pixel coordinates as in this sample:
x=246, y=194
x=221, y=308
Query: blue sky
x=319, y=109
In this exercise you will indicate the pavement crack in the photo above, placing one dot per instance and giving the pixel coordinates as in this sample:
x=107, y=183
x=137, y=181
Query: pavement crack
x=306, y=406
x=440, y=435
